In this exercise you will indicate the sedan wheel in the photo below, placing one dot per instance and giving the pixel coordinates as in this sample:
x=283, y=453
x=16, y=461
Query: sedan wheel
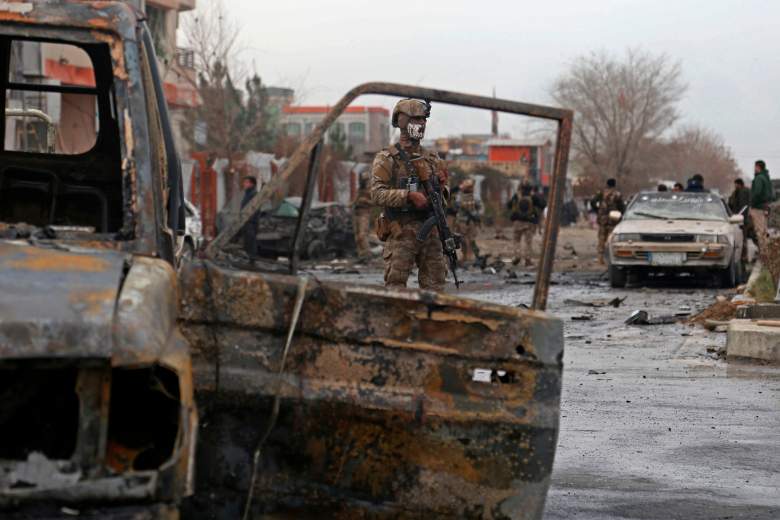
x=617, y=277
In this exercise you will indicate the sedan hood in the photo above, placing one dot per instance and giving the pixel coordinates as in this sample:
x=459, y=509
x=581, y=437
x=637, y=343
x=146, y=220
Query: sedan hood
x=710, y=227
x=55, y=302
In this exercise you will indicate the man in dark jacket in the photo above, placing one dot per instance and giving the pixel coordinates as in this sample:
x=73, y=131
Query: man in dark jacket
x=739, y=204
x=696, y=184
x=761, y=195
x=249, y=230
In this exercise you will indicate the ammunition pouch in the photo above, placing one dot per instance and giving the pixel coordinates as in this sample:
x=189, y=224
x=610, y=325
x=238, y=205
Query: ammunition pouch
x=382, y=227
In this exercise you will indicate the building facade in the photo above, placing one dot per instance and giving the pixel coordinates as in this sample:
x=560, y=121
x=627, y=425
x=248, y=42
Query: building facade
x=366, y=129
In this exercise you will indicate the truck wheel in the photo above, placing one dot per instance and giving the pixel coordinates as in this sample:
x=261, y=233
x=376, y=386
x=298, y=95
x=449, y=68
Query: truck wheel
x=315, y=249
x=617, y=277
x=728, y=278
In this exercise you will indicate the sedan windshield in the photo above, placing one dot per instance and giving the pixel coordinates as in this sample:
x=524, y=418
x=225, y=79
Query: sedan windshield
x=676, y=206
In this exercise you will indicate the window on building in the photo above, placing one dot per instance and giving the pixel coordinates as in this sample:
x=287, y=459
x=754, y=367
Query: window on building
x=293, y=129
x=357, y=133
x=308, y=128
x=336, y=132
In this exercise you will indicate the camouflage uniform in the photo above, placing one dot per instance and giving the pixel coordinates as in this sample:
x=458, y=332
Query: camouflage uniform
x=605, y=201
x=524, y=213
x=361, y=215
x=466, y=223
x=402, y=250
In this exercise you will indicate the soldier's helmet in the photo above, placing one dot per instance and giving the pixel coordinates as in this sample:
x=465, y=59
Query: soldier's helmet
x=467, y=186
x=412, y=108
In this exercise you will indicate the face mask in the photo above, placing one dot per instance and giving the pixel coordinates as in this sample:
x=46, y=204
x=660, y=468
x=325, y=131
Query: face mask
x=416, y=130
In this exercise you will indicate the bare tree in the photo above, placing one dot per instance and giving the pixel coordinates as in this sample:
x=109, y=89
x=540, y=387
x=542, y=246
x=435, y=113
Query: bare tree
x=234, y=119
x=694, y=150
x=620, y=104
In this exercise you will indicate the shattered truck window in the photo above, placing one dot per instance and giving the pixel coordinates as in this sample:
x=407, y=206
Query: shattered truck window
x=44, y=121
x=59, y=162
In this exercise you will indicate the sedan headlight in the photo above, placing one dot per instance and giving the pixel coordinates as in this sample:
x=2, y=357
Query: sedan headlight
x=712, y=239
x=626, y=237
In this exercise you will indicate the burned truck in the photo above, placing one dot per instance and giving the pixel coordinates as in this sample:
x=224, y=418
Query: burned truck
x=133, y=387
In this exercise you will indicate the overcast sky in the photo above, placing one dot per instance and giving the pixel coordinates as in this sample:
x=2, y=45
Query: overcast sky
x=729, y=50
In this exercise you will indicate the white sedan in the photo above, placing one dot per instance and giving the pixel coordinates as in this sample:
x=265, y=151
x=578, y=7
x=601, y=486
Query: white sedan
x=677, y=232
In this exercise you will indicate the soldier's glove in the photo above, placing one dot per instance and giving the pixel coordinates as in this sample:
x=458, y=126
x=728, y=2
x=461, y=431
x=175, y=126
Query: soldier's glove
x=417, y=199
x=443, y=176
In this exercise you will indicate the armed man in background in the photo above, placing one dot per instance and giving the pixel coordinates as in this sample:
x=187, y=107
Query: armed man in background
x=361, y=215
x=603, y=203
x=524, y=212
x=468, y=219
x=395, y=186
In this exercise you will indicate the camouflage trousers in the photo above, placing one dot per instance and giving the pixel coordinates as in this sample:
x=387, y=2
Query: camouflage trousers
x=361, y=221
x=604, y=231
x=524, y=234
x=468, y=232
x=758, y=218
x=403, y=252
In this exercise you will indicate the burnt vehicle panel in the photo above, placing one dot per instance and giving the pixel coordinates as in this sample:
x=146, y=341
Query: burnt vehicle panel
x=391, y=403
x=97, y=400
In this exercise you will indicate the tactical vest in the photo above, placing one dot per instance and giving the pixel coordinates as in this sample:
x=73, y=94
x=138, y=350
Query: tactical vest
x=523, y=209
x=609, y=202
x=401, y=179
x=467, y=206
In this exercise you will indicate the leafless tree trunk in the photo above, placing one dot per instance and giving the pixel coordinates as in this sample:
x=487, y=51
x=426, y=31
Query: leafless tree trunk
x=620, y=104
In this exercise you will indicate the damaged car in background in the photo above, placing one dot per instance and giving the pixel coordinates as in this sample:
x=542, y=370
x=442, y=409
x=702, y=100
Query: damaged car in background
x=677, y=233
x=337, y=400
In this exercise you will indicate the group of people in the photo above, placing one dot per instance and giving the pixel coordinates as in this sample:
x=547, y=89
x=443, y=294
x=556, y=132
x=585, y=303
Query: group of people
x=753, y=203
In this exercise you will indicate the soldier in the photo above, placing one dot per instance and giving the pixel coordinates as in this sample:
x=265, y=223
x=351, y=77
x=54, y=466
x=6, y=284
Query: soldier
x=468, y=219
x=524, y=213
x=361, y=215
x=395, y=186
x=605, y=201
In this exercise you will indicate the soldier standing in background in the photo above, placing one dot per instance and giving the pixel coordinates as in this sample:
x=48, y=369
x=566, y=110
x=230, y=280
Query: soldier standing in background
x=605, y=201
x=761, y=195
x=361, y=215
x=395, y=186
x=524, y=214
x=468, y=219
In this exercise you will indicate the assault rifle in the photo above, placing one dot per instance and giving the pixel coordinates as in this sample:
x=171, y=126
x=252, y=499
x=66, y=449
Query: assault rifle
x=450, y=242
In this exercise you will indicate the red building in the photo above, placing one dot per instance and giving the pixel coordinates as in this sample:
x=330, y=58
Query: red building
x=532, y=160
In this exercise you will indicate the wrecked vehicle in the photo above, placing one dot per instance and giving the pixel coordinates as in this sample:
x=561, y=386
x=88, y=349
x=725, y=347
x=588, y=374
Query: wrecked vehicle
x=336, y=399
x=673, y=233
x=328, y=232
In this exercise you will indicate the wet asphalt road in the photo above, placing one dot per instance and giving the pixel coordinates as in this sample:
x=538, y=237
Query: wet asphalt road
x=653, y=426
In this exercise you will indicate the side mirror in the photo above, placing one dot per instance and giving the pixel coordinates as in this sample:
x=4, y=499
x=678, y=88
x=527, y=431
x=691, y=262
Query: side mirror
x=615, y=216
x=737, y=219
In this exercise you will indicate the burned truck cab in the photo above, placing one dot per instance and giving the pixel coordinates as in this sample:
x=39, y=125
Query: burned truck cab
x=96, y=397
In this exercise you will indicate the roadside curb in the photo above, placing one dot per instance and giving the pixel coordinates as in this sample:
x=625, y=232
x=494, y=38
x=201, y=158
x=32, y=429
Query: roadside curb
x=749, y=339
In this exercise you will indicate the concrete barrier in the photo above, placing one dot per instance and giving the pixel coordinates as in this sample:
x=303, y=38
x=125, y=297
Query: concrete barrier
x=750, y=339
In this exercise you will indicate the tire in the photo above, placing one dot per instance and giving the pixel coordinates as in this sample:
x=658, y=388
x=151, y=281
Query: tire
x=315, y=250
x=728, y=277
x=617, y=277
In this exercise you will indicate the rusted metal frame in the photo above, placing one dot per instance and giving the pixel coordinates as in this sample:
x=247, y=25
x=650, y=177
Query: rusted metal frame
x=93, y=388
x=303, y=215
x=441, y=96
x=552, y=223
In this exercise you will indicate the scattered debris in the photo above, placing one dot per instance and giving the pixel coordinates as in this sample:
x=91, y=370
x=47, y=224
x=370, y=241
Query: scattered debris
x=717, y=326
x=592, y=372
x=717, y=352
x=614, y=302
x=640, y=317
x=582, y=317
x=721, y=310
